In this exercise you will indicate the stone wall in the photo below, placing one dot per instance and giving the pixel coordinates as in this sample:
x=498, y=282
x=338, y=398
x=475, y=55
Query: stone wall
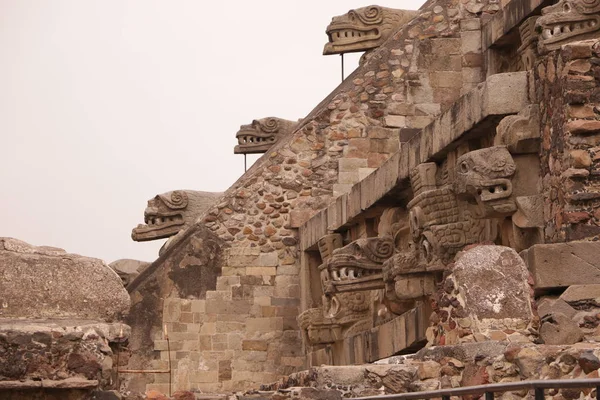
x=446, y=367
x=569, y=95
x=245, y=332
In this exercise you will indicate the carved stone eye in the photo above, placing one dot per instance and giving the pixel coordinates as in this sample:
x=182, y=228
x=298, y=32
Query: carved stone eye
x=176, y=197
x=464, y=167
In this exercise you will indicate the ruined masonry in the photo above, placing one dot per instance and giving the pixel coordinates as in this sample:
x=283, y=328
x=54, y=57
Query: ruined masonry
x=433, y=223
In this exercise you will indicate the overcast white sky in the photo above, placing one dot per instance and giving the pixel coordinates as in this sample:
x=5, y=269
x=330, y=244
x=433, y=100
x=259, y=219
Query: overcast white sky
x=104, y=104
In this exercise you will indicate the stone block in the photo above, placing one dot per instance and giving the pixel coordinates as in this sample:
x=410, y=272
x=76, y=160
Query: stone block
x=254, y=325
x=446, y=79
x=351, y=164
x=379, y=132
x=470, y=42
x=548, y=306
x=364, y=172
x=414, y=286
x=255, y=345
x=299, y=217
x=445, y=46
x=505, y=94
x=493, y=284
x=348, y=177
x=396, y=121
x=472, y=75
x=46, y=282
x=340, y=188
x=471, y=24
x=266, y=271
x=203, y=377
x=561, y=265
x=268, y=259
x=578, y=294
x=560, y=329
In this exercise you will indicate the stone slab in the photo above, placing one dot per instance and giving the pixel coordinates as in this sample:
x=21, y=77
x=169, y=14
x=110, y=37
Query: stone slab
x=560, y=265
x=42, y=282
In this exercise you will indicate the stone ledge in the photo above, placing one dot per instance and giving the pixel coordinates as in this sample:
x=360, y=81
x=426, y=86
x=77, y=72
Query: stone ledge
x=560, y=265
x=506, y=19
x=475, y=112
x=69, y=383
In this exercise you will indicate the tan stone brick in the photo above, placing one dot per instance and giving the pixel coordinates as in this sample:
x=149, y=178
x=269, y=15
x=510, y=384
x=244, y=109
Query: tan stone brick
x=225, y=282
x=401, y=109
x=233, y=271
x=205, y=343
x=471, y=24
x=294, y=269
x=228, y=307
x=293, y=361
x=472, y=75
x=397, y=121
x=428, y=109
x=254, y=345
x=445, y=46
x=177, y=336
x=446, y=79
x=348, y=177
x=470, y=42
x=222, y=295
x=229, y=326
x=268, y=260
x=341, y=188
x=299, y=217
x=243, y=251
x=203, y=376
x=351, y=164
x=198, y=306
x=379, y=132
x=191, y=345
x=261, y=271
x=262, y=300
x=209, y=328
x=186, y=318
x=263, y=291
x=264, y=324
x=418, y=122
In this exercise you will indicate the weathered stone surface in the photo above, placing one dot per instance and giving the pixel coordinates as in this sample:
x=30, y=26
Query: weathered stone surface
x=563, y=264
x=128, y=269
x=560, y=329
x=48, y=283
x=492, y=280
x=549, y=306
x=170, y=213
x=577, y=294
x=262, y=134
x=62, y=353
x=364, y=28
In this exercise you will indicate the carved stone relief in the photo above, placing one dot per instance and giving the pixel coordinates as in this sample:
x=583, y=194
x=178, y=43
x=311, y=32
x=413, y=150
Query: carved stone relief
x=350, y=276
x=529, y=40
x=172, y=212
x=567, y=21
x=364, y=28
x=262, y=134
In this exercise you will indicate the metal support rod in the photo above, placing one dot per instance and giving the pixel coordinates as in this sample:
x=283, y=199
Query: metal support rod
x=245, y=168
x=342, y=58
x=169, y=365
x=539, y=393
x=150, y=371
x=489, y=395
